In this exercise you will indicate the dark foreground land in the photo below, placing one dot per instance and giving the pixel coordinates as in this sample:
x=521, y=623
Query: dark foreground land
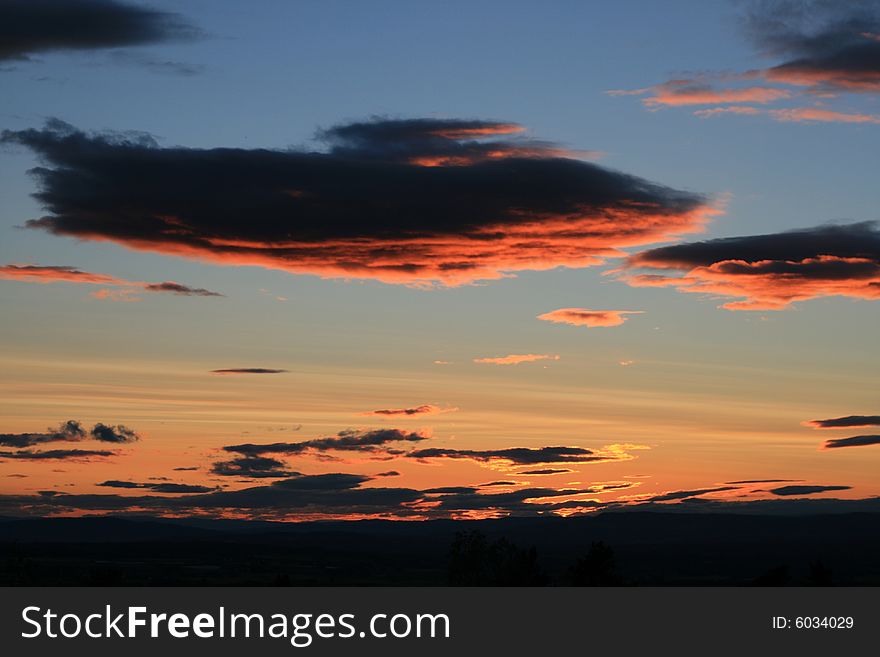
x=635, y=548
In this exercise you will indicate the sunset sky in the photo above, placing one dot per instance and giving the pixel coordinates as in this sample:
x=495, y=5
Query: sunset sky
x=296, y=260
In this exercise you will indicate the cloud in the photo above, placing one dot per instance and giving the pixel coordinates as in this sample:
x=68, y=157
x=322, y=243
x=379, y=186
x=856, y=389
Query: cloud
x=770, y=272
x=425, y=409
x=180, y=289
x=70, y=431
x=692, y=92
x=822, y=50
x=524, y=501
x=846, y=421
x=348, y=440
x=830, y=46
x=186, y=469
x=853, y=441
x=499, y=483
x=762, y=481
x=72, y=454
x=29, y=27
x=157, y=487
x=794, y=115
x=515, y=359
x=61, y=273
x=54, y=274
x=332, y=494
x=786, y=491
x=587, y=317
x=254, y=467
x=686, y=494
x=65, y=432
x=545, y=471
x=366, y=207
x=111, y=434
x=248, y=370
x=518, y=455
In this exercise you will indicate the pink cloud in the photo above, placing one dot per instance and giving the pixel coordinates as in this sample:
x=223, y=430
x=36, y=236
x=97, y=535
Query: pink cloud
x=516, y=359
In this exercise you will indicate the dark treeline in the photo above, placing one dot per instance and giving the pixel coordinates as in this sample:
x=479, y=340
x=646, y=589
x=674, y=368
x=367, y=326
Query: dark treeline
x=624, y=549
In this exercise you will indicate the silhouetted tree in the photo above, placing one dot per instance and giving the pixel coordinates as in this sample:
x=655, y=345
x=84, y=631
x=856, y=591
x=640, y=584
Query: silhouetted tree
x=474, y=561
x=596, y=568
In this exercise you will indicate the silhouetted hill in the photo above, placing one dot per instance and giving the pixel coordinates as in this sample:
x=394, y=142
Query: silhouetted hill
x=650, y=547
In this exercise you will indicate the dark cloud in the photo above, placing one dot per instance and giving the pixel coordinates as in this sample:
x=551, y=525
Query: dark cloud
x=498, y=483
x=770, y=271
x=387, y=473
x=822, y=49
x=762, y=481
x=686, y=494
x=457, y=490
x=348, y=440
x=424, y=409
x=66, y=431
x=853, y=441
x=831, y=45
x=69, y=431
x=545, y=471
x=248, y=370
x=255, y=467
x=28, y=27
x=113, y=434
x=194, y=467
x=316, y=494
x=785, y=491
x=370, y=206
x=180, y=289
x=157, y=487
x=72, y=454
x=516, y=455
x=524, y=501
x=846, y=421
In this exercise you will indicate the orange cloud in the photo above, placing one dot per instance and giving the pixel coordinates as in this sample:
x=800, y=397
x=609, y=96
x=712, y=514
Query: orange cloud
x=843, y=79
x=690, y=92
x=769, y=272
x=516, y=359
x=586, y=317
x=773, y=285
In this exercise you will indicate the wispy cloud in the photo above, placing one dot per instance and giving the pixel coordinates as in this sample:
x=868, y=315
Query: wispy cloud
x=123, y=290
x=515, y=359
x=424, y=409
x=247, y=370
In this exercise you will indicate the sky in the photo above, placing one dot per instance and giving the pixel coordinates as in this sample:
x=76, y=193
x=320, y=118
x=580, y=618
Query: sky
x=341, y=260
